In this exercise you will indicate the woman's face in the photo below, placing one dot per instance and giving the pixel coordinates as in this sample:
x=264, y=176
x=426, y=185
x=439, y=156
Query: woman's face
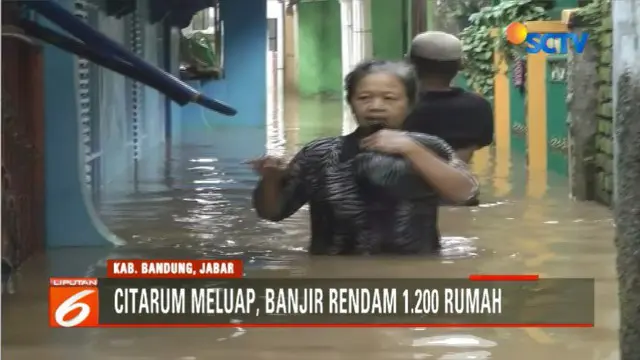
x=380, y=98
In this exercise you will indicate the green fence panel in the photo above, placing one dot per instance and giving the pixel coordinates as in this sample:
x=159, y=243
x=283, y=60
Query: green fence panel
x=557, y=130
x=517, y=116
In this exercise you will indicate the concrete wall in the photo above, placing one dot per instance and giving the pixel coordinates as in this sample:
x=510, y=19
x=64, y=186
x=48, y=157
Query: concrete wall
x=591, y=107
x=244, y=82
x=626, y=168
x=63, y=155
x=582, y=92
x=604, y=138
x=319, y=49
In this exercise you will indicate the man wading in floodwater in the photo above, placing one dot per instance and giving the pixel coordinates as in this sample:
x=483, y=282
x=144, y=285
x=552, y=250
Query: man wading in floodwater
x=461, y=118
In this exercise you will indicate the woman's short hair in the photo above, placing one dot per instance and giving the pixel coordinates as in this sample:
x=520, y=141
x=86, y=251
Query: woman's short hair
x=403, y=71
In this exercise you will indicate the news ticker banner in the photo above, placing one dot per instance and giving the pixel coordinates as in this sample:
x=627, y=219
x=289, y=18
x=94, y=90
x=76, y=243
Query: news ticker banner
x=213, y=294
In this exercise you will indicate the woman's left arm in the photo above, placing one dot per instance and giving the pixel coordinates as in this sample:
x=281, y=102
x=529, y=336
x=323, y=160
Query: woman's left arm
x=451, y=178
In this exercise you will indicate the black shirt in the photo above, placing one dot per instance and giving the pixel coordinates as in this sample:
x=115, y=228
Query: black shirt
x=461, y=118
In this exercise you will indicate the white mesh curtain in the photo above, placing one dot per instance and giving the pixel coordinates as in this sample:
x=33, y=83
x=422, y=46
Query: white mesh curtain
x=119, y=118
x=116, y=137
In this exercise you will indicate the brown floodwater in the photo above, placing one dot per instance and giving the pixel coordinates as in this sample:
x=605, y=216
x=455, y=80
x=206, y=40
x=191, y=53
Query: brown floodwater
x=196, y=204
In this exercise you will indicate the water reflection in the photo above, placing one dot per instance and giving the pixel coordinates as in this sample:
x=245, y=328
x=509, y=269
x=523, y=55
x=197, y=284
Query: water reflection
x=198, y=206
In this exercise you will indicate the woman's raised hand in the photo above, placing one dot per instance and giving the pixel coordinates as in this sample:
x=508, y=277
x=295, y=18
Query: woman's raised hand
x=268, y=166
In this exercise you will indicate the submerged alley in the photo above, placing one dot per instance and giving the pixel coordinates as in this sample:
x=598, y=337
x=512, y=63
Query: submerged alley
x=98, y=165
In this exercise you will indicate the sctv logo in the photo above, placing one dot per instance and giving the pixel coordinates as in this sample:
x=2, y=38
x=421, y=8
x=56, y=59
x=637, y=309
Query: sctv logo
x=550, y=43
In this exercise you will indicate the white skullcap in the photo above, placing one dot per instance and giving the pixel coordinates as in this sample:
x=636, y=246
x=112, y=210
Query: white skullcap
x=436, y=45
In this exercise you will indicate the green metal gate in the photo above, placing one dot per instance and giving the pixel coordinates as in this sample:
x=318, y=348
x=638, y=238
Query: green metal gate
x=517, y=114
x=557, y=129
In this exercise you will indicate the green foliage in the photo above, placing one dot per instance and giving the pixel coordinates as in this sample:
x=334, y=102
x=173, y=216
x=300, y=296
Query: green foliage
x=596, y=19
x=198, y=57
x=591, y=15
x=461, y=10
x=199, y=50
x=452, y=16
x=479, y=44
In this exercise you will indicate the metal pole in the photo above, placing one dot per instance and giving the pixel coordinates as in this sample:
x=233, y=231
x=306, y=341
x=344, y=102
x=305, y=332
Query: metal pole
x=626, y=169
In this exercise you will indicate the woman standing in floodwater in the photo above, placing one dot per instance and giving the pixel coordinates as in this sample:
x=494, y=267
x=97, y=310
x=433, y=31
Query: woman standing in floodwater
x=350, y=212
